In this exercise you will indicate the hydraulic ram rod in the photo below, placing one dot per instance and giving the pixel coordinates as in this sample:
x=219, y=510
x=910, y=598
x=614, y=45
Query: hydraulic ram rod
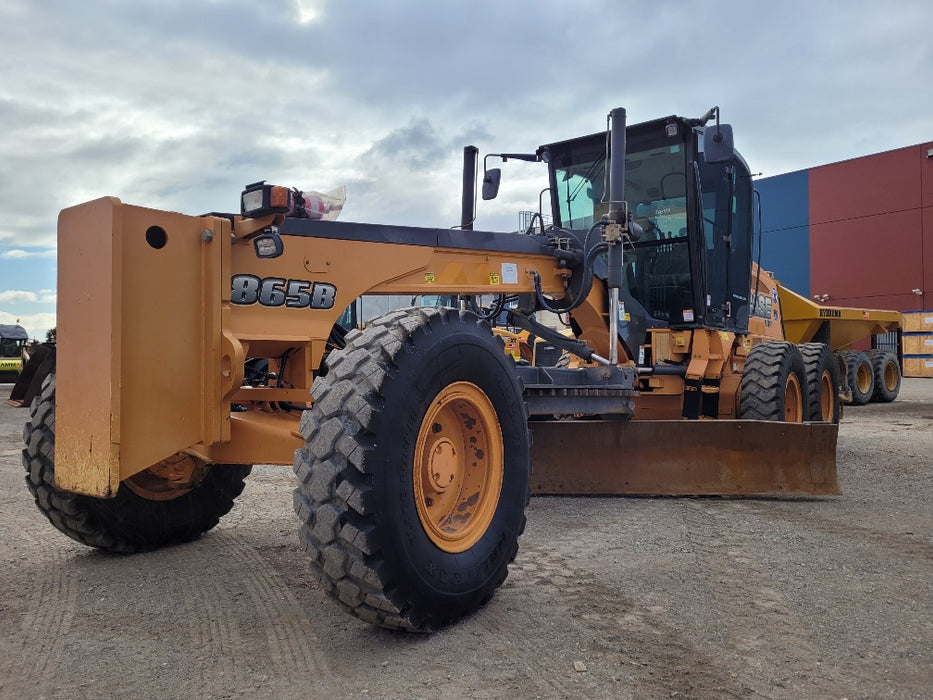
x=617, y=218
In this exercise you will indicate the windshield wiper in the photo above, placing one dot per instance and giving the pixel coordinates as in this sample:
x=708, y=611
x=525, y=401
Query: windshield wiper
x=587, y=178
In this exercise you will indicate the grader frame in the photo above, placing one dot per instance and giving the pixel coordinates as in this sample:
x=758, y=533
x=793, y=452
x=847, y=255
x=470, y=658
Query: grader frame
x=191, y=347
x=173, y=374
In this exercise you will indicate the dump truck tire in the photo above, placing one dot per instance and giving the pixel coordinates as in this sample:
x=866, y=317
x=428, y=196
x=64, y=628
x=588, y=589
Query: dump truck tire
x=774, y=383
x=822, y=382
x=861, y=377
x=414, y=474
x=127, y=522
x=887, y=375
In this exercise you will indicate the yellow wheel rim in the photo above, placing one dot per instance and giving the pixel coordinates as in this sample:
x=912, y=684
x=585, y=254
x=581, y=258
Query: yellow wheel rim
x=827, y=399
x=458, y=467
x=169, y=479
x=863, y=378
x=890, y=376
x=793, y=400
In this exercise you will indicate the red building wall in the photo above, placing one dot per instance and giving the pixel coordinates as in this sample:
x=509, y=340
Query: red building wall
x=926, y=217
x=871, y=230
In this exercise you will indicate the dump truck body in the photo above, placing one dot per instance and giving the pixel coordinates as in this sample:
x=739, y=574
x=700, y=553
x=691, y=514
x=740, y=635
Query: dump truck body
x=838, y=326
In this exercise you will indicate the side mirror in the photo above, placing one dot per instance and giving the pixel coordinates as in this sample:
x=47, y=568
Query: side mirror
x=717, y=144
x=491, y=180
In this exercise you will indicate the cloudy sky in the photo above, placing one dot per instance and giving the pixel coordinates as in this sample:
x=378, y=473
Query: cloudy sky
x=177, y=104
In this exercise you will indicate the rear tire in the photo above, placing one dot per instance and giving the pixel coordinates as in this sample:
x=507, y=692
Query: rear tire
x=773, y=383
x=414, y=474
x=822, y=382
x=127, y=522
x=887, y=375
x=860, y=375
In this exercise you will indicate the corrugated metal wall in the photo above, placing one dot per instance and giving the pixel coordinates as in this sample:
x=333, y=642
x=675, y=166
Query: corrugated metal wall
x=925, y=155
x=859, y=232
x=785, y=218
x=866, y=230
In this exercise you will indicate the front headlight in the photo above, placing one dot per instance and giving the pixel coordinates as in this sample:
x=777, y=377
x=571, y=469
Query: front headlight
x=251, y=202
x=260, y=199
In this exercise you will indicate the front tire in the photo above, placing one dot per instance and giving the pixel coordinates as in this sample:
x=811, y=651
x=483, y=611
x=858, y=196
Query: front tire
x=822, y=382
x=414, y=474
x=773, y=383
x=149, y=510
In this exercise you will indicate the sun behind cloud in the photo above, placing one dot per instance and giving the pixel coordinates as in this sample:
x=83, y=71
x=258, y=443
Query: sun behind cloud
x=309, y=10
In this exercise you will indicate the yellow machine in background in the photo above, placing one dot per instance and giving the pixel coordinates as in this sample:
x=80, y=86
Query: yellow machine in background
x=874, y=375
x=191, y=347
x=13, y=339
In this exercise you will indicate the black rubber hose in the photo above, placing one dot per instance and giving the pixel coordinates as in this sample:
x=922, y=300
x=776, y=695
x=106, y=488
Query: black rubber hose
x=494, y=310
x=584, y=292
x=550, y=335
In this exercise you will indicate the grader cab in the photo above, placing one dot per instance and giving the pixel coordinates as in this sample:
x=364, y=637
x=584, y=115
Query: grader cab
x=191, y=347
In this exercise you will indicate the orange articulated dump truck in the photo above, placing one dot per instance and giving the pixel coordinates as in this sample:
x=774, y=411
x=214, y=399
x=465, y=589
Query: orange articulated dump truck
x=191, y=347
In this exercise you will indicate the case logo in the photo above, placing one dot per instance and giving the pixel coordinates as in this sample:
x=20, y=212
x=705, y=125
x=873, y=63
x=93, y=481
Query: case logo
x=246, y=290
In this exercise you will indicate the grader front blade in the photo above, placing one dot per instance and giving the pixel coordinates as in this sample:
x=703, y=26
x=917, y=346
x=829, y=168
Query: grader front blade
x=716, y=457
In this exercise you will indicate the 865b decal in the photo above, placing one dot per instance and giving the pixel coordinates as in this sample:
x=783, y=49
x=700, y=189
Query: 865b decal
x=275, y=291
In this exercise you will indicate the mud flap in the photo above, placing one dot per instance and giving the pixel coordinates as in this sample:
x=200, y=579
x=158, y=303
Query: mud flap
x=724, y=457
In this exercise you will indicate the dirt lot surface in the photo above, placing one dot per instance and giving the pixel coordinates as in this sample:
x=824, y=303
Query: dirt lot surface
x=608, y=598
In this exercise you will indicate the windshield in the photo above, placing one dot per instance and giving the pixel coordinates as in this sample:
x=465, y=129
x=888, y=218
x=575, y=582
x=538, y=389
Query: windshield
x=10, y=347
x=655, y=186
x=691, y=263
x=658, y=271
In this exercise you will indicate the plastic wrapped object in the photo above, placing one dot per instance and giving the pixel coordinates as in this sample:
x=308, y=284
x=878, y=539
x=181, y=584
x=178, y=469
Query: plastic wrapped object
x=317, y=205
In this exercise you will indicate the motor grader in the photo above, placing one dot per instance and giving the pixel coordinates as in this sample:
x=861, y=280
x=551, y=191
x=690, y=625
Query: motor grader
x=412, y=438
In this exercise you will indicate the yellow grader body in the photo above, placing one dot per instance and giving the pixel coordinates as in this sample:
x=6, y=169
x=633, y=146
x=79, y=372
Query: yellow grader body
x=168, y=316
x=192, y=347
x=174, y=369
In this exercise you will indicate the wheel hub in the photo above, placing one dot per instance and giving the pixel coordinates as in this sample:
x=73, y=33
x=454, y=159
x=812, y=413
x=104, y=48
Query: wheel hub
x=458, y=467
x=443, y=466
x=827, y=397
x=171, y=478
x=890, y=376
x=793, y=400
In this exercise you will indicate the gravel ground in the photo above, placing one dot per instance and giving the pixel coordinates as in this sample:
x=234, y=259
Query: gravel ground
x=608, y=598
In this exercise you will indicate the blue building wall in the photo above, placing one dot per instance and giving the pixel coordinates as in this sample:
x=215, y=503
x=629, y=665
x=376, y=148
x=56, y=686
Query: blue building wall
x=785, y=212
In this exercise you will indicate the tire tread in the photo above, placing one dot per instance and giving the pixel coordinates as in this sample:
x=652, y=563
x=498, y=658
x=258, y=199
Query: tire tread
x=763, y=379
x=334, y=499
x=125, y=523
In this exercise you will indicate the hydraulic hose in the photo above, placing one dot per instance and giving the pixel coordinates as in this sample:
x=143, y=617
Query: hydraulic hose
x=587, y=284
x=550, y=335
x=494, y=310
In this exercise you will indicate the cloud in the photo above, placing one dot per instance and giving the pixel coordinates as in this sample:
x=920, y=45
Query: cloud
x=13, y=296
x=176, y=104
x=17, y=254
x=308, y=10
x=415, y=146
x=36, y=325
